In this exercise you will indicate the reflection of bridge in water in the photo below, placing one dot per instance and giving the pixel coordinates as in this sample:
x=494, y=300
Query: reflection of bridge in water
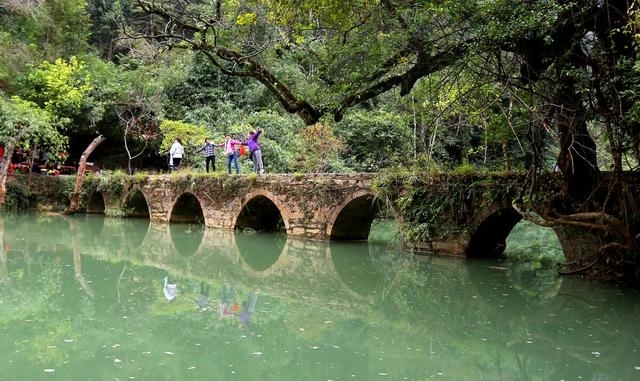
x=191, y=251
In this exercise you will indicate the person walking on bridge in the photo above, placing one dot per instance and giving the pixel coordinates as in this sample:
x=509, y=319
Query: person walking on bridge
x=230, y=149
x=254, y=150
x=175, y=153
x=209, y=155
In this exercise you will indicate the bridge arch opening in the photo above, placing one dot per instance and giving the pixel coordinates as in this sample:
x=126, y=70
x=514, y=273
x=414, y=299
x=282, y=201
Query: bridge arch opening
x=95, y=204
x=260, y=214
x=187, y=210
x=489, y=239
x=136, y=205
x=354, y=218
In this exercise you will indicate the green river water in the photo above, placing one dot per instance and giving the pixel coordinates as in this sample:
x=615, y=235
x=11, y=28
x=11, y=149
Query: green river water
x=84, y=298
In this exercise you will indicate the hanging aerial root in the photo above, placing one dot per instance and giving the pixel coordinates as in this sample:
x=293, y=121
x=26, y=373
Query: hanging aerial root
x=623, y=240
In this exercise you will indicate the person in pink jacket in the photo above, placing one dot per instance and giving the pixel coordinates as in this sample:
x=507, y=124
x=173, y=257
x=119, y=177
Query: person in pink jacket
x=230, y=149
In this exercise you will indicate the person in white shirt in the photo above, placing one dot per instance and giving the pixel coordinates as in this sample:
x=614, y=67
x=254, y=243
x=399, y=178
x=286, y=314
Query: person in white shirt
x=175, y=153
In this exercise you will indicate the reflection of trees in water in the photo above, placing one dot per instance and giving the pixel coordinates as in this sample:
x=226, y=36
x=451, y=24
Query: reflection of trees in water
x=4, y=272
x=89, y=229
x=109, y=237
x=129, y=232
x=91, y=225
x=532, y=311
x=260, y=251
x=32, y=284
x=445, y=306
x=537, y=282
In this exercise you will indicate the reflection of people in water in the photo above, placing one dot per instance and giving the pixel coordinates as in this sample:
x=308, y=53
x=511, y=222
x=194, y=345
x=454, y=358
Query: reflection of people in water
x=170, y=290
x=226, y=307
x=248, y=309
x=203, y=300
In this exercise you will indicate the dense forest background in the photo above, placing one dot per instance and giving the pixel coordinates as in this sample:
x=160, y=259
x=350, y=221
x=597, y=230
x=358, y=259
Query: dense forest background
x=79, y=68
x=336, y=85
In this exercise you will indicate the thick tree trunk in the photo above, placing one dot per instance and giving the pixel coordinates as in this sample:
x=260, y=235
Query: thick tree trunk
x=6, y=161
x=578, y=158
x=74, y=197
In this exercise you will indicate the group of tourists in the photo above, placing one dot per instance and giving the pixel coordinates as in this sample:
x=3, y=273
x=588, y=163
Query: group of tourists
x=228, y=308
x=232, y=149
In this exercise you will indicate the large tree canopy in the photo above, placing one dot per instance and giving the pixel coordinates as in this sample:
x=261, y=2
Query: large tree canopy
x=567, y=62
x=562, y=71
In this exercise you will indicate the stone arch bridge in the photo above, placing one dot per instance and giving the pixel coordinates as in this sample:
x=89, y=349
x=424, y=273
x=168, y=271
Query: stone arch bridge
x=472, y=219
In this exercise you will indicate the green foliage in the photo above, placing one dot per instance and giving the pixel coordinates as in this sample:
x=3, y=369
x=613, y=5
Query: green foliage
x=318, y=150
x=375, y=140
x=534, y=244
x=36, y=31
x=464, y=169
x=113, y=182
x=278, y=140
x=59, y=87
x=192, y=137
x=17, y=197
x=33, y=125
